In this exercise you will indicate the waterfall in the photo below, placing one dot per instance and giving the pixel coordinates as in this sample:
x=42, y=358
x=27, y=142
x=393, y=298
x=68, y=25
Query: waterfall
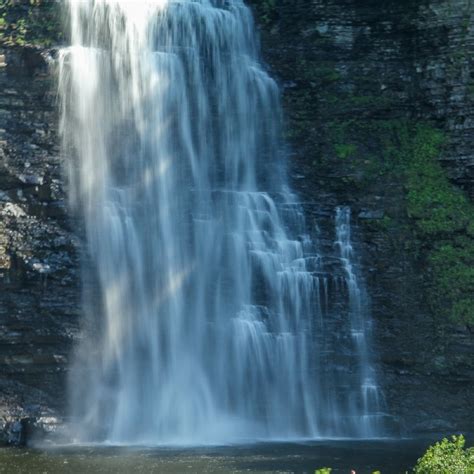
x=365, y=393
x=211, y=316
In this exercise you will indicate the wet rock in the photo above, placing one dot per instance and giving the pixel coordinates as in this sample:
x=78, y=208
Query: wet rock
x=26, y=430
x=346, y=62
x=39, y=265
x=372, y=215
x=31, y=179
x=434, y=426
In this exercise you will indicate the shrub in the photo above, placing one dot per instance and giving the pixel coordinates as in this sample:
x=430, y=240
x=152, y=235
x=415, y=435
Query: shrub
x=447, y=457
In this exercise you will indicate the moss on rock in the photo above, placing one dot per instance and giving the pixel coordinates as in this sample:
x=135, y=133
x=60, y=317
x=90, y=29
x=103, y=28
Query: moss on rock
x=30, y=22
x=437, y=216
x=444, y=219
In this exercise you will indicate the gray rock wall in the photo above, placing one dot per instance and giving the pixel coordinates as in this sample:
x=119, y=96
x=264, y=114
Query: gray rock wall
x=39, y=276
x=352, y=72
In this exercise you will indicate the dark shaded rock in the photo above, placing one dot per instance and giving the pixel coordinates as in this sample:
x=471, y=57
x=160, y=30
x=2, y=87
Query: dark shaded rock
x=371, y=215
x=350, y=70
x=39, y=266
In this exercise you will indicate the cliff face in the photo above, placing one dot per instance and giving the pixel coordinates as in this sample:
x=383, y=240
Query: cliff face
x=370, y=91
x=379, y=100
x=39, y=284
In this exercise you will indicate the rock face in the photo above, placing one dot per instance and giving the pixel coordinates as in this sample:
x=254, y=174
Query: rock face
x=39, y=284
x=353, y=73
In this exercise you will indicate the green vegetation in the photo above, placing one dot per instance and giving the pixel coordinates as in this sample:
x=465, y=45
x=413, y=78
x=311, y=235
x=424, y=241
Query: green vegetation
x=444, y=457
x=318, y=72
x=266, y=11
x=444, y=219
x=453, y=278
x=436, y=205
x=447, y=457
x=268, y=7
x=344, y=151
x=29, y=22
x=439, y=216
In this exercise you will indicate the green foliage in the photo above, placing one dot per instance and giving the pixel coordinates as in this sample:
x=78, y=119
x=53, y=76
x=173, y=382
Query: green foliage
x=391, y=137
x=433, y=201
x=324, y=73
x=447, y=457
x=444, y=219
x=345, y=151
x=266, y=10
x=317, y=74
x=29, y=22
x=440, y=217
x=452, y=263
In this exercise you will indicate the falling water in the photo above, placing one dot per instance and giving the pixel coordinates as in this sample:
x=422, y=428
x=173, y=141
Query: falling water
x=211, y=313
x=365, y=396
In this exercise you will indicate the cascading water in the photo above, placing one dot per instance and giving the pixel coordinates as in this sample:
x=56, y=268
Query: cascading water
x=211, y=312
x=365, y=396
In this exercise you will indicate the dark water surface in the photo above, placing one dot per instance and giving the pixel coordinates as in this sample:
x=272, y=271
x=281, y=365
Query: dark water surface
x=388, y=456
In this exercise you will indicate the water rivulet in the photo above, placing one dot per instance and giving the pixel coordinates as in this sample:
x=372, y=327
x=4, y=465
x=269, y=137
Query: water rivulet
x=211, y=316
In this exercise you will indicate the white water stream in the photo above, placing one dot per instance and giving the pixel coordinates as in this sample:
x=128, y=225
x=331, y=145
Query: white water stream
x=210, y=311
